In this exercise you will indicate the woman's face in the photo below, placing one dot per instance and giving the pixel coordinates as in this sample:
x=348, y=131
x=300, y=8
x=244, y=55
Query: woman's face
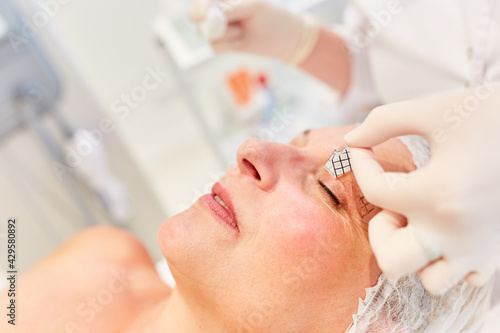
x=284, y=247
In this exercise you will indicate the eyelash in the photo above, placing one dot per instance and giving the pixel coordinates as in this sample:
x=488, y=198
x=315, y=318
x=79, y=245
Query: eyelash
x=332, y=196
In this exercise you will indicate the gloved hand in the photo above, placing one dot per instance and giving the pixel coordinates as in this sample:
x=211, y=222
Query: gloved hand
x=443, y=219
x=258, y=27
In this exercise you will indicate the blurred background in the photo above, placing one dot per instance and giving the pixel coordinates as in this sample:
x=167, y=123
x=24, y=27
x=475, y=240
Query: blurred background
x=116, y=112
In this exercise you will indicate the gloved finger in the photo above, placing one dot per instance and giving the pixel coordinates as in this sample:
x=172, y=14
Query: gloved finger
x=476, y=279
x=394, y=245
x=241, y=10
x=198, y=9
x=440, y=276
x=231, y=41
x=387, y=122
x=383, y=189
x=483, y=275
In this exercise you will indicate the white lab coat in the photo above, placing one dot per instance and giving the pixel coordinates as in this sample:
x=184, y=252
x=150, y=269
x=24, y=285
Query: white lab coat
x=421, y=48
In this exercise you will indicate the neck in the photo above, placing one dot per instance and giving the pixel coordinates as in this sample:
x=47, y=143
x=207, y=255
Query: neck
x=177, y=316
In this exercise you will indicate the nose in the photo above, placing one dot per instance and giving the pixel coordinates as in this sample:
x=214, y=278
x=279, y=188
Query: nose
x=266, y=162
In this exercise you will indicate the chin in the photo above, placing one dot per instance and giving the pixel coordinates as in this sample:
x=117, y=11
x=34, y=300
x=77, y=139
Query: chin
x=192, y=239
x=176, y=233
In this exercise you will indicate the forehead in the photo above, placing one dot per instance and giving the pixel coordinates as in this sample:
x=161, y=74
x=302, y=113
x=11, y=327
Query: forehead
x=323, y=141
x=392, y=154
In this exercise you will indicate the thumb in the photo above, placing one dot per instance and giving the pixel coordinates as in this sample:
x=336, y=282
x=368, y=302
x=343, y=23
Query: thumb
x=395, y=246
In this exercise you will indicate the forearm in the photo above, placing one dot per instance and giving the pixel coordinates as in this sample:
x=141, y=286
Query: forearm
x=330, y=61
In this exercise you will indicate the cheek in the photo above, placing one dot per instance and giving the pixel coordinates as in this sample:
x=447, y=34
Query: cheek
x=307, y=237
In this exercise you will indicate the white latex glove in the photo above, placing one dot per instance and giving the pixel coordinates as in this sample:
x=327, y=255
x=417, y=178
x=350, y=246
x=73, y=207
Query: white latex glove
x=443, y=219
x=258, y=27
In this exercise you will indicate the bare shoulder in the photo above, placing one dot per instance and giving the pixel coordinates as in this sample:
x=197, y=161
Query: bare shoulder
x=104, y=242
x=93, y=281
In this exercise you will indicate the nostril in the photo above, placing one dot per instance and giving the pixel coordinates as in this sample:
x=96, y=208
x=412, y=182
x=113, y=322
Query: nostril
x=252, y=169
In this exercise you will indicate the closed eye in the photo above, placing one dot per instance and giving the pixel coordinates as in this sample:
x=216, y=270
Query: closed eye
x=332, y=196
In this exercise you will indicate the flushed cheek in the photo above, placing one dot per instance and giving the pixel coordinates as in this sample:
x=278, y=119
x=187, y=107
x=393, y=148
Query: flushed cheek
x=313, y=259
x=305, y=241
x=302, y=225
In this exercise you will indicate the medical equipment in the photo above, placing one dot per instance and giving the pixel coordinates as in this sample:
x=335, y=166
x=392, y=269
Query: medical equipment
x=30, y=91
x=24, y=73
x=339, y=162
x=3, y=27
x=214, y=25
x=94, y=169
x=180, y=37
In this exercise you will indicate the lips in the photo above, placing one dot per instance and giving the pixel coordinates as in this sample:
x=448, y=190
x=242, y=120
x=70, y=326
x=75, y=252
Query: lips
x=219, y=202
